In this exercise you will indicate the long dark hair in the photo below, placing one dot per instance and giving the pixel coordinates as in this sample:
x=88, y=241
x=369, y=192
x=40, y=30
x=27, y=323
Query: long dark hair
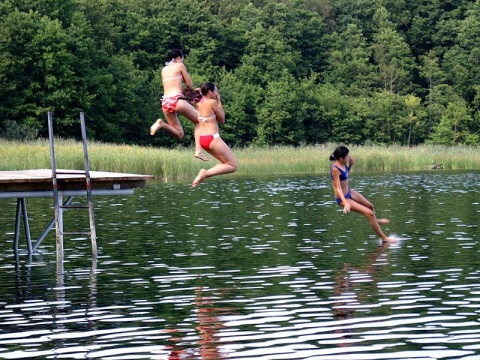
x=206, y=87
x=173, y=54
x=193, y=96
x=339, y=153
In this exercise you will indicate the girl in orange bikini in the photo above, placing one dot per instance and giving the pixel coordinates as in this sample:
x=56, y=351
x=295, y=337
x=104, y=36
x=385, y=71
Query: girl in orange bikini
x=348, y=198
x=210, y=109
x=174, y=74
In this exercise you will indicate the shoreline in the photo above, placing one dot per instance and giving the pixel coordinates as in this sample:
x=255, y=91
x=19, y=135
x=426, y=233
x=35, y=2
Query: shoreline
x=180, y=163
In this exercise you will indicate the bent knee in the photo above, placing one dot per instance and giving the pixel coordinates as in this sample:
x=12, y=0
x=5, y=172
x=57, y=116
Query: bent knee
x=234, y=165
x=179, y=133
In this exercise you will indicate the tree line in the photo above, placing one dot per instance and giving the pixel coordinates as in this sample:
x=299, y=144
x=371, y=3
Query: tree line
x=290, y=72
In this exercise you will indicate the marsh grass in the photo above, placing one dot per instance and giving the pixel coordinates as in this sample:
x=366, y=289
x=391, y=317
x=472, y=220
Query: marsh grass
x=180, y=164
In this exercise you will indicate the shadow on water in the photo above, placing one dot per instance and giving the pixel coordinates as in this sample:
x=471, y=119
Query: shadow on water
x=253, y=269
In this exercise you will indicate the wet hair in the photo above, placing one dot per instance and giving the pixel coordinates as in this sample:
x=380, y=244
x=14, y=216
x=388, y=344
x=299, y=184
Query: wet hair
x=340, y=153
x=173, y=54
x=206, y=87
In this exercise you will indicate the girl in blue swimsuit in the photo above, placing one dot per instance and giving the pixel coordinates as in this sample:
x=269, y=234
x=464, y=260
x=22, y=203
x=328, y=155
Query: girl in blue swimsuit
x=348, y=198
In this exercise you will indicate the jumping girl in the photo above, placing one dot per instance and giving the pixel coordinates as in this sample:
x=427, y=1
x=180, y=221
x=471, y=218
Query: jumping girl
x=348, y=198
x=174, y=74
x=210, y=109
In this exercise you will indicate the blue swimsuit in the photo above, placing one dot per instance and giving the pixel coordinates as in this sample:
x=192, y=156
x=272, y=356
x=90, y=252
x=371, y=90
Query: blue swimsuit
x=343, y=177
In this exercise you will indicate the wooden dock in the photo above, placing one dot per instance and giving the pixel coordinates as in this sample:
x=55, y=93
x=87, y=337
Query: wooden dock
x=12, y=182
x=37, y=183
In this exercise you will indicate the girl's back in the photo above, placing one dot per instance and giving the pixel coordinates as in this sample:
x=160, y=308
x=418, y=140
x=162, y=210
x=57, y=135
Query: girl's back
x=172, y=78
x=208, y=120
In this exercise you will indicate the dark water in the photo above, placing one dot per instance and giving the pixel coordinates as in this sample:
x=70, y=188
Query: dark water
x=252, y=269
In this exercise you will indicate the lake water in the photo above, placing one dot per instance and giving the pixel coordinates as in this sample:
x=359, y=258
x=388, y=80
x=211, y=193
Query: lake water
x=252, y=268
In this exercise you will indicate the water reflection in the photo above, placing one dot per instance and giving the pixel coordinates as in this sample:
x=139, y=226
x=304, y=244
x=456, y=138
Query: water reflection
x=254, y=269
x=207, y=342
x=353, y=287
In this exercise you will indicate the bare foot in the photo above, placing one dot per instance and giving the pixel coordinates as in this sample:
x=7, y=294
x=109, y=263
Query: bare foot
x=201, y=156
x=389, y=240
x=156, y=126
x=383, y=221
x=202, y=175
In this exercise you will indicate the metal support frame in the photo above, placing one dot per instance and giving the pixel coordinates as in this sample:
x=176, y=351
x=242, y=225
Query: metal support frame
x=57, y=197
x=22, y=214
x=22, y=210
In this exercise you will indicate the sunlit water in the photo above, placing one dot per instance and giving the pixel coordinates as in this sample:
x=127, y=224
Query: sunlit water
x=264, y=268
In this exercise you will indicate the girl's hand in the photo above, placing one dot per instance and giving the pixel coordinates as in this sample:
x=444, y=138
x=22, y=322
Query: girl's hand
x=351, y=162
x=346, y=207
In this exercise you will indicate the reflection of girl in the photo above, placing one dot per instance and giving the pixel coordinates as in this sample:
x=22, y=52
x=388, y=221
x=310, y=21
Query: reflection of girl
x=209, y=324
x=348, y=198
x=174, y=74
x=347, y=293
x=210, y=109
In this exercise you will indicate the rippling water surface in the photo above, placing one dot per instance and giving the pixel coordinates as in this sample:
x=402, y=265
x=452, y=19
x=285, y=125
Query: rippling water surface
x=265, y=268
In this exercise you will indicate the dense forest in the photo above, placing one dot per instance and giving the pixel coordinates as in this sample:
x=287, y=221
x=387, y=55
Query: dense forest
x=290, y=72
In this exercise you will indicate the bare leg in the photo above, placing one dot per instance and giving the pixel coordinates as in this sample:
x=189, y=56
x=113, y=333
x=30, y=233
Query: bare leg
x=157, y=125
x=202, y=175
x=173, y=126
x=372, y=219
x=359, y=198
x=187, y=110
x=362, y=200
x=198, y=149
x=227, y=162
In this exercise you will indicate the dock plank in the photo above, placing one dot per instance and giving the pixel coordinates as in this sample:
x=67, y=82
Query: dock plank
x=41, y=180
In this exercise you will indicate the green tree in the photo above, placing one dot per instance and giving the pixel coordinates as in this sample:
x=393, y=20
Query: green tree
x=305, y=37
x=362, y=12
x=385, y=118
x=240, y=101
x=338, y=115
x=462, y=59
x=438, y=100
x=279, y=117
x=359, y=83
x=453, y=126
x=36, y=69
x=431, y=71
x=349, y=62
x=392, y=55
x=415, y=113
x=267, y=52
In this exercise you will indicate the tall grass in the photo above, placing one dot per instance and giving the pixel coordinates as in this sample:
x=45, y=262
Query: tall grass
x=180, y=164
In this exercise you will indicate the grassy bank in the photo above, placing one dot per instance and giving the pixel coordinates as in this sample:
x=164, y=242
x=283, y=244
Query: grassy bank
x=179, y=164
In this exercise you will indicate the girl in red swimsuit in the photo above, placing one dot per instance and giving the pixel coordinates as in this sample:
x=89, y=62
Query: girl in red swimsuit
x=210, y=109
x=174, y=74
x=348, y=198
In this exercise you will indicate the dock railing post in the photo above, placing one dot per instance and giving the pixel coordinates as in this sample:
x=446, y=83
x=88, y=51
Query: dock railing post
x=58, y=199
x=58, y=211
x=93, y=234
